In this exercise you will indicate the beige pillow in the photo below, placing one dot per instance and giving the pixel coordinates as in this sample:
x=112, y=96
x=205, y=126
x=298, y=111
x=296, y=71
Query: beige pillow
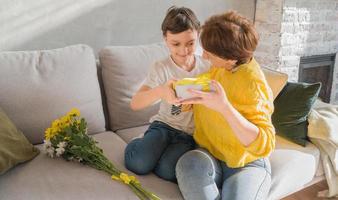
x=124, y=68
x=276, y=80
x=36, y=87
x=14, y=146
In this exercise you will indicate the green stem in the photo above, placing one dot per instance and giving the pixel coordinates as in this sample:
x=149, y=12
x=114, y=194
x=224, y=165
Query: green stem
x=102, y=163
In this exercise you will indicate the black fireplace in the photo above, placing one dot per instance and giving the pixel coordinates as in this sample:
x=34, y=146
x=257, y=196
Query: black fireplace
x=318, y=69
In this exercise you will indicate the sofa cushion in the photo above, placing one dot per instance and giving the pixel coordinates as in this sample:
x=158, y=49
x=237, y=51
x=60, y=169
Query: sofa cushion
x=46, y=178
x=37, y=87
x=293, y=167
x=276, y=80
x=124, y=69
x=14, y=146
x=292, y=107
x=129, y=134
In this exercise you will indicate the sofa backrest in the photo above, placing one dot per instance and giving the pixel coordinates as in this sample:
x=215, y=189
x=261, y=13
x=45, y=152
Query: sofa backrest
x=276, y=80
x=124, y=69
x=36, y=87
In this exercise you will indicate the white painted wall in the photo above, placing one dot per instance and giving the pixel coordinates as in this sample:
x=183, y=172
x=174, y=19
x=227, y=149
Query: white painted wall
x=45, y=24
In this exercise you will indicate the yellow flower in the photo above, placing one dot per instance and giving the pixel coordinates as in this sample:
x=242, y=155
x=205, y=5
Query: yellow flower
x=50, y=133
x=125, y=178
x=74, y=112
x=56, y=123
x=65, y=121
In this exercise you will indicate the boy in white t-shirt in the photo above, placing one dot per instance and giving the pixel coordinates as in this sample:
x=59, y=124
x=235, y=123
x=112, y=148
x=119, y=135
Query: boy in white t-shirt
x=170, y=134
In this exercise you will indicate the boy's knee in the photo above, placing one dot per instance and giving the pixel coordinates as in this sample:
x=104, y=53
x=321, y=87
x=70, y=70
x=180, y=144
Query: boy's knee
x=138, y=166
x=134, y=160
x=166, y=171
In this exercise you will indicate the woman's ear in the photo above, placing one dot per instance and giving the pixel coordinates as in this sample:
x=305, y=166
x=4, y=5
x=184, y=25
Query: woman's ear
x=233, y=62
x=205, y=55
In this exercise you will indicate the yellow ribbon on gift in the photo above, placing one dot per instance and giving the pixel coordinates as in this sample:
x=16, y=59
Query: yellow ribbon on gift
x=203, y=80
x=125, y=178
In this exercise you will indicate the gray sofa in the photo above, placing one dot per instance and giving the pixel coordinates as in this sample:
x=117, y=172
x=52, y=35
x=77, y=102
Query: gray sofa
x=37, y=87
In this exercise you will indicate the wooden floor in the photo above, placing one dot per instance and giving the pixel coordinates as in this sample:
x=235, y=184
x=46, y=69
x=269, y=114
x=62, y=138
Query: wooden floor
x=309, y=193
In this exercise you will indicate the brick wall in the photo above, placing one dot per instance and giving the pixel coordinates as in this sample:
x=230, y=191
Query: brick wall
x=290, y=29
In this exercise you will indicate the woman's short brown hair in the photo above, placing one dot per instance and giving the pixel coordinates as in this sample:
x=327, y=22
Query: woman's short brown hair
x=179, y=19
x=229, y=36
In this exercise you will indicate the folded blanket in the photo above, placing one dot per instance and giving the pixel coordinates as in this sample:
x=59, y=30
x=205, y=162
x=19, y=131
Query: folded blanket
x=323, y=132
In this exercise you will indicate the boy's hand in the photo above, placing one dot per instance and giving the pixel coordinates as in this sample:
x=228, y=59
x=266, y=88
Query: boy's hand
x=168, y=93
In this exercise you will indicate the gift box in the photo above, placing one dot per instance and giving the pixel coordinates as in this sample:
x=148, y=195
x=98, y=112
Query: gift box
x=202, y=83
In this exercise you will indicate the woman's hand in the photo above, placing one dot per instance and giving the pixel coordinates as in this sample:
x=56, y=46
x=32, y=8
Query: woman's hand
x=216, y=100
x=168, y=94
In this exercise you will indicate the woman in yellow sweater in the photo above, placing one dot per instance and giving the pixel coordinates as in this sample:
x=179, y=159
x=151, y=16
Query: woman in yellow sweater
x=233, y=124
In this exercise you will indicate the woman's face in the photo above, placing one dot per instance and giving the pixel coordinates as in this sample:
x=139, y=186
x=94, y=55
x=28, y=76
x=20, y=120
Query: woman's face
x=182, y=45
x=219, y=62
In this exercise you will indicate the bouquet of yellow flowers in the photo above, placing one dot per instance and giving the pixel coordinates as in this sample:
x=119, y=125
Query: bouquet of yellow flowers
x=67, y=137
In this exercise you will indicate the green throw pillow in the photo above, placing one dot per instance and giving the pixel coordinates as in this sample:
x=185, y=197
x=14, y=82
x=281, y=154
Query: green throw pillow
x=292, y=107
x=14, y=146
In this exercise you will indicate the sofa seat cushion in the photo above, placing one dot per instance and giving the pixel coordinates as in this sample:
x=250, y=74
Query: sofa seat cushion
x=310, y=148
x=293, y=166
x=36, y=87
x=46, y=178
x=129, y=133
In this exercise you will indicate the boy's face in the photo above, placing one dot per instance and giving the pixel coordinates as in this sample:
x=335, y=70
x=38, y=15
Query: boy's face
x=182, y=45
x=219, y=62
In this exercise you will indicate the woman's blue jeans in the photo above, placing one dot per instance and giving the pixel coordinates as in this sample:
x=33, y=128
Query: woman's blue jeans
x=202, y=177
x=158, y=151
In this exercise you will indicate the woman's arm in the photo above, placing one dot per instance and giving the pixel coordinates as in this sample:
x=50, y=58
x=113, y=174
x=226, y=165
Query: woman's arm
x=245, y=131
x=146, y=96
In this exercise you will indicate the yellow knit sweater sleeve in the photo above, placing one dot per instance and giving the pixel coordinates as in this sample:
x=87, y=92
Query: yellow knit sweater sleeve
x=257, y=107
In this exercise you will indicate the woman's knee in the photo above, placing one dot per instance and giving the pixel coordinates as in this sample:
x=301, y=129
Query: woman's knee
x=198, y=163
x=135, y=161
x=197, y=166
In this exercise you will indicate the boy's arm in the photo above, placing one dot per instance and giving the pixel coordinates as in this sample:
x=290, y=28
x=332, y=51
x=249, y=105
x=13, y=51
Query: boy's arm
x=147, y=96
x=144, y=97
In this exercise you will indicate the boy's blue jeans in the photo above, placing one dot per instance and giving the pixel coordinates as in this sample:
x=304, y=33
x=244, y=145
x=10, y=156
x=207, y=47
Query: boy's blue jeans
x=202, y=177
x=158, y=151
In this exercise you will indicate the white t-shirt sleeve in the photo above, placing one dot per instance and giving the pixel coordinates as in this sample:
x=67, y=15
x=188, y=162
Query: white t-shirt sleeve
x=156, y=76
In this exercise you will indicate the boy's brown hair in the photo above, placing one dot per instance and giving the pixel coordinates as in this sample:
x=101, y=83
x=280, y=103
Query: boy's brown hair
x=229, y=36
x=179, y=19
